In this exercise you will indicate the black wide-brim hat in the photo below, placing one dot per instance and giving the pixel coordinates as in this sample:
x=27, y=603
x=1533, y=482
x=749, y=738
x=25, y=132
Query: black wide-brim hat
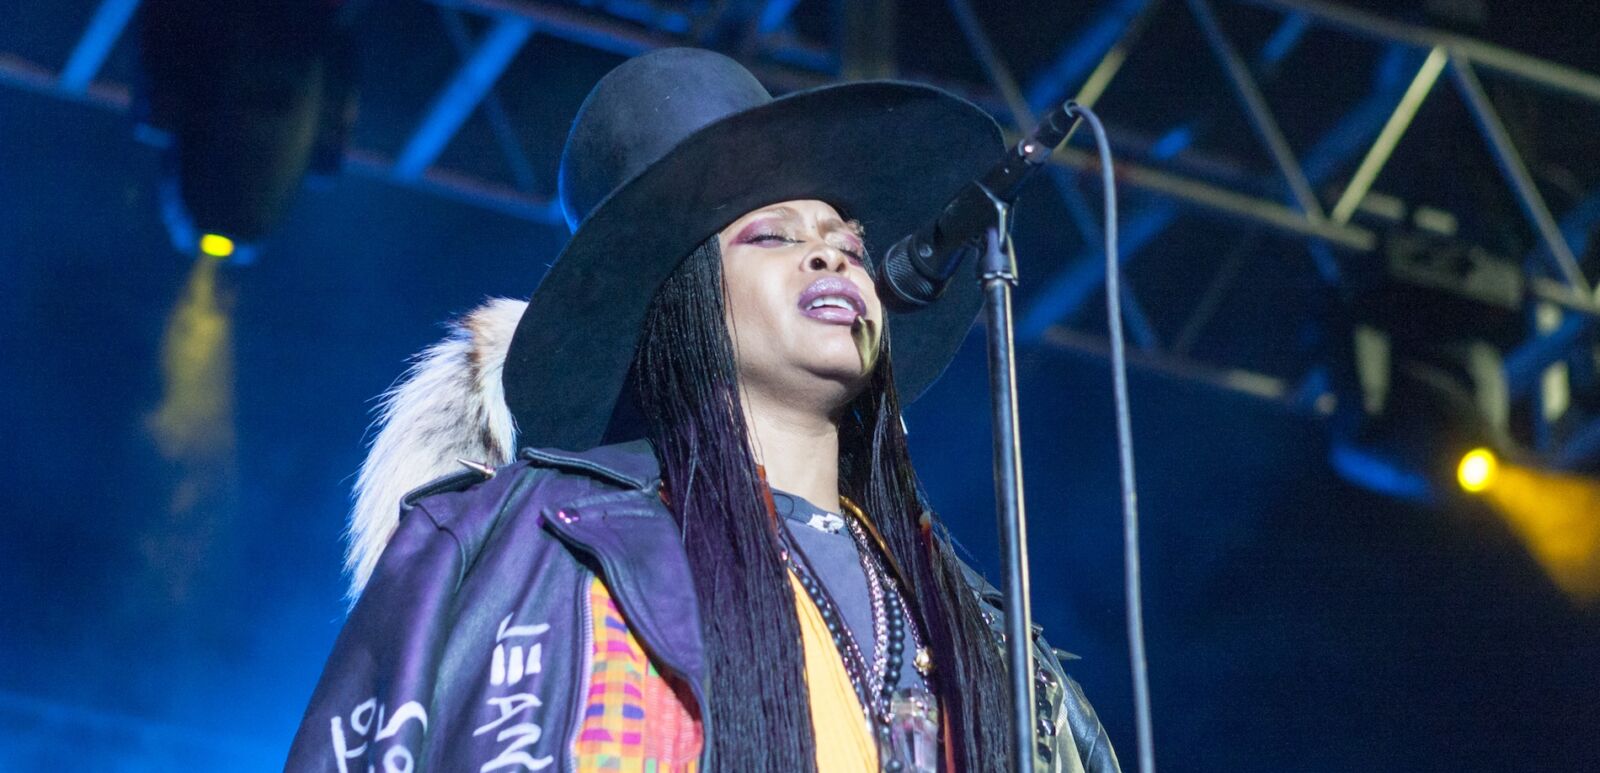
x=672, y=146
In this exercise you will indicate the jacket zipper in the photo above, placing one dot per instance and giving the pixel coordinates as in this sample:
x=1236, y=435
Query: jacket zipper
x=587, y=675
x=609, y=569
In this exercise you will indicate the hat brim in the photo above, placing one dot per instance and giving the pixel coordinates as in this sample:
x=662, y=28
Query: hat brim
x=886, y=153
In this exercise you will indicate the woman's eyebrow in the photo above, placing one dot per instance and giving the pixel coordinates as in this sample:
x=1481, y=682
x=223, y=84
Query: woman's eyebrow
x=853, y=226
x=779, y=209
x=830, y=224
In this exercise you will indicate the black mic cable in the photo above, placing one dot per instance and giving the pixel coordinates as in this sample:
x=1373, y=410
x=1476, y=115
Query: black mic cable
x=1130, y=496
x=917, y=268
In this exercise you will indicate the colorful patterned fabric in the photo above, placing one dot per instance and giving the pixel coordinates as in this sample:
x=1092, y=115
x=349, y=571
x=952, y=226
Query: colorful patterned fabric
x=635, y=720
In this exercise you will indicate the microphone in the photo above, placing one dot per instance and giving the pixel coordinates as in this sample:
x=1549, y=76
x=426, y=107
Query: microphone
x=917, y=268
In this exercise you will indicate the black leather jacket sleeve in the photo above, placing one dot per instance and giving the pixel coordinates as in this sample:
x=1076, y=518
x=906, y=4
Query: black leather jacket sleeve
x=1094, y=747
x=1069, y=734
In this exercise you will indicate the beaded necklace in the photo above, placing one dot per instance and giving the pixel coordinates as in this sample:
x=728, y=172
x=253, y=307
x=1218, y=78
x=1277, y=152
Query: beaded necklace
x=905, y=720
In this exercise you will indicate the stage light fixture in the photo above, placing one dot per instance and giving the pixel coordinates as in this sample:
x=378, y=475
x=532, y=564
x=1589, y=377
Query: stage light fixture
x=1415, y=355
x=1478, y=470
x=248, y=98
x=216, y=245
x=1406, y=429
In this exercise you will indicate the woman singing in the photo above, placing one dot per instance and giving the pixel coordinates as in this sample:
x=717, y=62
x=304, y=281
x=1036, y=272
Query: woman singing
x=712, y=551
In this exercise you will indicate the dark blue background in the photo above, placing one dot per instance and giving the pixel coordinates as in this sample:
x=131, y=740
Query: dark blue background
x=1295, y=623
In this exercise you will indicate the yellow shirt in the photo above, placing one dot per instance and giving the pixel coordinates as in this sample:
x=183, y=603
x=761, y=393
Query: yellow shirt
x=844, y=739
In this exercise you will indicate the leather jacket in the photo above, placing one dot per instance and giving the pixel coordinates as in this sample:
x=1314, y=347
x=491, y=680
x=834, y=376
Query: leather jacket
x=486, y=571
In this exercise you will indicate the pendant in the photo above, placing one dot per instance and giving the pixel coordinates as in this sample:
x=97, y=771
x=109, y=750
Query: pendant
x=908, y=740
x=923, y=661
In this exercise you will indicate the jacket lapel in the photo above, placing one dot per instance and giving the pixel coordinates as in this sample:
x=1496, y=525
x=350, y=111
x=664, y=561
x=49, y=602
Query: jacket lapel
x=636, y=542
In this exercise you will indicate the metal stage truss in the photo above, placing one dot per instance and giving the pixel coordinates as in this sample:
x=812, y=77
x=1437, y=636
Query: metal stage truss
x=1561, y=298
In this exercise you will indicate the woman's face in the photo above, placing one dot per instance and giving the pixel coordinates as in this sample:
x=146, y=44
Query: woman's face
x=802, y=309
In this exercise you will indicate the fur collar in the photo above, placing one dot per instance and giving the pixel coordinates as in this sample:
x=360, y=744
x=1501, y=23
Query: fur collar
x=449, y=407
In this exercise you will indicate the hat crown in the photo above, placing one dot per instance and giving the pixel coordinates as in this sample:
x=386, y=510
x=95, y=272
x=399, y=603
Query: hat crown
x=640, y=111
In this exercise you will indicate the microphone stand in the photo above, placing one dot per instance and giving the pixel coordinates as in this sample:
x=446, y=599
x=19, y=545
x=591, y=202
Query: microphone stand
x=997, y=272
x=915, y=275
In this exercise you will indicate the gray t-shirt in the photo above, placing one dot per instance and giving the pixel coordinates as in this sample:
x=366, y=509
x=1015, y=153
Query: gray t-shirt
x=832, y=554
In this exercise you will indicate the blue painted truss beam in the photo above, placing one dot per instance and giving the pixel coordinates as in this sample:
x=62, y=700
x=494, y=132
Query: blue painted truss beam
x=1081, y=55
x=110, y=19
x=1085, y=272
x=461, y=97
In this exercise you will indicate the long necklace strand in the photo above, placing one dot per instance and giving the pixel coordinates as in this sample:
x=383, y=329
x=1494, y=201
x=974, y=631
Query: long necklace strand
x=875, y=684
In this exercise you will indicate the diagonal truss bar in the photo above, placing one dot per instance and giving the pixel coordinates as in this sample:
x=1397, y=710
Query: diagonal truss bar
x=110, y=19
x=1549, y=75
x=1216, y=291
x=993, y=66
x=1066, y=185
x=1084, y=272
x=1088, y=225
x=1516, y=173
x=1524, y=364
x=1367, y=173
x=774, y=16
x=1100, y=78
x=1079, y=56
x=1284, y=40
x=493, y=109
x=1070, y=288
x=1088, y=94
x=471, y=83
x=1000, y=77
x=1266, y=127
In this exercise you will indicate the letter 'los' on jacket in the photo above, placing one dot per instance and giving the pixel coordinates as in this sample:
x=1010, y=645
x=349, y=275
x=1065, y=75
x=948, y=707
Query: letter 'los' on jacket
x=470, y=648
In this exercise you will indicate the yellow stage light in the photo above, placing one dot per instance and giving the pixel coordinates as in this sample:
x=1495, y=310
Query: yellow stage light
x=195, y=418
x=216, y=245
x=1558, y=517
x=1478, y=470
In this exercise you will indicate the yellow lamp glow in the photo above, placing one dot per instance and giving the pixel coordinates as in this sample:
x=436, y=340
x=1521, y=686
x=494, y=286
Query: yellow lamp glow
x=1555, y=515
x=1477, y=470
x=216, y=245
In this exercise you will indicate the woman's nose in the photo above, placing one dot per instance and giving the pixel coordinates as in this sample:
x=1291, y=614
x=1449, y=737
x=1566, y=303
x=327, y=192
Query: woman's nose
x=825, y=257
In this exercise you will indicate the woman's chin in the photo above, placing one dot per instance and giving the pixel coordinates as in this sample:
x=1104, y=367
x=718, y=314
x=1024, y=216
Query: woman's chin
x=844, y=379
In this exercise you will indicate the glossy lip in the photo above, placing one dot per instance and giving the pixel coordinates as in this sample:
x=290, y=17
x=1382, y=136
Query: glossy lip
x=833, y=285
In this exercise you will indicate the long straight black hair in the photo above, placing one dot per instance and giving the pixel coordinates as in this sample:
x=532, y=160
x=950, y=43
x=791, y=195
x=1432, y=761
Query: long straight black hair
x=685, y=388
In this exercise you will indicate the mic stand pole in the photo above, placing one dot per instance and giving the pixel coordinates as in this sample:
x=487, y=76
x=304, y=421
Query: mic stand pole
x=997, y=271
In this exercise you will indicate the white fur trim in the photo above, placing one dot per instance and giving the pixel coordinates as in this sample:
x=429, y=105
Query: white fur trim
x=449, y=405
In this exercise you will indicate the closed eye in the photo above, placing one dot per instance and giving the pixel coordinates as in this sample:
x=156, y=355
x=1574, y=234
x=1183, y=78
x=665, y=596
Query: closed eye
x=857, y=255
